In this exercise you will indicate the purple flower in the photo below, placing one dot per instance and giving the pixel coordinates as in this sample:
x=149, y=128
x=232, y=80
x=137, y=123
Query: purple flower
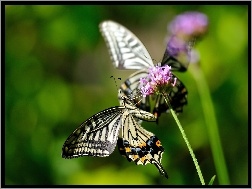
x=159, y=80
x=189, y=24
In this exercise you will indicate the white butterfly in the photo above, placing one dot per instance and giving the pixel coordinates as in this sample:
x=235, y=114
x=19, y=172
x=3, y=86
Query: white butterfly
x=98, y=136
x=128, y=52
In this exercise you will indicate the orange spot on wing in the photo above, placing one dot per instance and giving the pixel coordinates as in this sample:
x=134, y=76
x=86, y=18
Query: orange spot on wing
x=127, y=149
x=158, y=143
x=142, y=159
x=135, y=157
x=142, y=144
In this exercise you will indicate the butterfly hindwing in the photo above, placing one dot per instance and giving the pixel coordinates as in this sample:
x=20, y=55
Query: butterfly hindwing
x=139, y=145
x=177, y=97
x=131, y=87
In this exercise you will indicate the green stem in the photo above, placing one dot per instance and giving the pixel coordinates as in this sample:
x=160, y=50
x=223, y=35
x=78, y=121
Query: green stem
x=186, y=140
x=211, y=124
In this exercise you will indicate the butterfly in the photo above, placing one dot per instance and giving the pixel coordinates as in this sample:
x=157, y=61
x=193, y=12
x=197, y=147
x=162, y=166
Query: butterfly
x=128, y=52
x=99, y=134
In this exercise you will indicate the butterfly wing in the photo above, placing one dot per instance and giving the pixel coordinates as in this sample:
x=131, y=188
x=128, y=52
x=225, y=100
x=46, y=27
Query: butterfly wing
x=177, y=54
x=130, y=87
x=173, y=62
x=140, y=145
x=177, y=98
x=126, y=50
x=97, y=136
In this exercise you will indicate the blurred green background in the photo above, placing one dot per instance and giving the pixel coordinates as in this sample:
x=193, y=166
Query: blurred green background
x=57, y=74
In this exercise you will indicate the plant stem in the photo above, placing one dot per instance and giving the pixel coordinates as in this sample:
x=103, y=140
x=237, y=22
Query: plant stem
x=211, y=124
x=185, y=139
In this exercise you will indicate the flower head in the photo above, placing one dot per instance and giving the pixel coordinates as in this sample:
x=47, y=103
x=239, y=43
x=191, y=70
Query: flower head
x=158, y=80
x=189, y=24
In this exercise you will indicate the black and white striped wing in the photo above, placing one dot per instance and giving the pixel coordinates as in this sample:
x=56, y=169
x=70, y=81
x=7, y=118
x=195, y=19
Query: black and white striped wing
x=130, y=87
x=97, y=136
x=140, y=145
x=126, y=50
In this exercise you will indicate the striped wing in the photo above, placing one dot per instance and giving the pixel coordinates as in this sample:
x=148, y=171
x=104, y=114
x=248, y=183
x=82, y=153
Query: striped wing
x=139, y=145
x=131, y=88
x=126, y=50
x=97, y=136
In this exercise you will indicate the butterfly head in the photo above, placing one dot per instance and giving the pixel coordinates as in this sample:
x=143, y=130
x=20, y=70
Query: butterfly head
x=131, y=99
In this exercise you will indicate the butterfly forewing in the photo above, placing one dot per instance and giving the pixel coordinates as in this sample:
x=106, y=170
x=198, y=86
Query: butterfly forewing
x=177, y=53
x=173, y=62
x=126, y=50
x=97, y=136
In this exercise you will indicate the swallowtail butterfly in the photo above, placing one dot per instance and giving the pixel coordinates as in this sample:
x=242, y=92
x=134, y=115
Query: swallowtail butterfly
x=99, y=134
x=128, y=52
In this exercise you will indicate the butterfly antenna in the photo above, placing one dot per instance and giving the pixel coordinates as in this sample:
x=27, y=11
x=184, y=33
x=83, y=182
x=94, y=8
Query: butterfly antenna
x=153, y=60
x=117, y=85
x=115, y=80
